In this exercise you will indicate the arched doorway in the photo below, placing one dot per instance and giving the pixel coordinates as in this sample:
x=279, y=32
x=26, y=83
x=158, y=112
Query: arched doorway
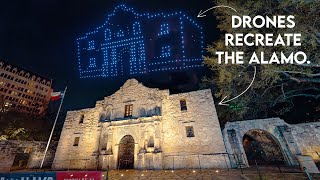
x=262, y=148
x=126, y=153
x=124, y=59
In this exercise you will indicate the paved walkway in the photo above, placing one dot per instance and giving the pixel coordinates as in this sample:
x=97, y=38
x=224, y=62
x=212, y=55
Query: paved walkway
x=201, y=175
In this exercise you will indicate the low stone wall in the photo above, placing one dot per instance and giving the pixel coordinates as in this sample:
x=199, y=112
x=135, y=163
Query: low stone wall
x=24, y=155
x=6, y=157
x=196, y=161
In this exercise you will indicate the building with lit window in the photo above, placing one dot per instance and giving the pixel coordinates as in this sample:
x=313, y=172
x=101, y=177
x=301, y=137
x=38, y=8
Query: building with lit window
x=143, y=128
x=131, y=43
x=23, y=90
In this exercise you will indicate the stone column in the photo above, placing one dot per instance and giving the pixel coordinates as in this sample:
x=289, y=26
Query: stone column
x=308, y=163
x=136, y=151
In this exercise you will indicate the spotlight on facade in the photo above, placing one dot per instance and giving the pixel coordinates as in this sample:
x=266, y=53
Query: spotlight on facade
x=217, y=171
x=194, y=171
x=86, y=175
x=102, y=175
x=121, y=174
x=71, y=175
x=172, y=171
x=142, y=174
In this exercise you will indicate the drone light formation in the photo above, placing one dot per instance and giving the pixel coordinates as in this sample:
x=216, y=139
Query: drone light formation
x=131, y=43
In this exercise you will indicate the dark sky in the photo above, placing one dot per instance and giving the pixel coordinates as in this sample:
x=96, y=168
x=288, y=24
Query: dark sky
x=39, y=35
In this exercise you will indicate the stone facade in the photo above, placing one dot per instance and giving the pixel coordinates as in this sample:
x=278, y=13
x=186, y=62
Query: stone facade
x=307, y=136
x=158, y=124
x=16, y=155
x=174, y=131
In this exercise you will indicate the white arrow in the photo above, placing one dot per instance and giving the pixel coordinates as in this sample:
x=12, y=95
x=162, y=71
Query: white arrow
x=202, y=14
x=223, y=102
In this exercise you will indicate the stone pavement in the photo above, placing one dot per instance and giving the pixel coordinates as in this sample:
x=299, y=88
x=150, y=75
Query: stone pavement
x=207, y=174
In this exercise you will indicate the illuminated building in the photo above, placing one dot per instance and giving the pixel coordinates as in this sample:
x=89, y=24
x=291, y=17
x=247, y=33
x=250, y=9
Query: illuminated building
x=131, y=43
x=143, y=128
x=147, y=128
x=23, y=90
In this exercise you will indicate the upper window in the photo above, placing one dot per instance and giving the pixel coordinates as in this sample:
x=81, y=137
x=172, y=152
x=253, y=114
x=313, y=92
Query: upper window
x=91, y=45
x=136, y=28
x=107, y=35
x=81, y=119
x=165, y=51
x=92, y=63
x=120, y=33
x=183, y=105
x=151, y=142
x=128, y=110
x=164, y=29
x=76, y=141
x=189, y=131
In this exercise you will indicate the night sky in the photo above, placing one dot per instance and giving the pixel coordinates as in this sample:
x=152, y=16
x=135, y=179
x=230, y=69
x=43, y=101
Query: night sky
x=40, y=36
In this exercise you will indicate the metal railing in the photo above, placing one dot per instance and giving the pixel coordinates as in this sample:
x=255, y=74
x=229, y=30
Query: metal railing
x=200, y=164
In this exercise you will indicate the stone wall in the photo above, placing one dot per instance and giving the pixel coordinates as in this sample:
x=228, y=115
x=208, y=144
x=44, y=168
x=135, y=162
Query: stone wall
x=201, y=115
x=307, y=136
x=7, y=155
x=84, y=155
x=24, y=155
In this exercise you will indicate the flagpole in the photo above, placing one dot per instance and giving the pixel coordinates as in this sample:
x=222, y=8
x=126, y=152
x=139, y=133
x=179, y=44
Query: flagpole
x=54, y=124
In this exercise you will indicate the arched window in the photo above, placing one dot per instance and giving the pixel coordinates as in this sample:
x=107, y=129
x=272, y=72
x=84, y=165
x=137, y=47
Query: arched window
x=91, y=45
x=27, y=75
x=164, y=29
x=183, y=105
x=151, y=142
x=107, y=34
x=8, y=68
x=92, y=63
x=81, y=118
x=136, y=28
x=120, y=33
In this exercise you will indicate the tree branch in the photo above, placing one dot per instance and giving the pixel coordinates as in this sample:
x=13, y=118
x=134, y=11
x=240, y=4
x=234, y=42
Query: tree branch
x=311, y=65
x=302, y=80
x=268, y=89
x=305, y=95
x=298, y=72
x=292, y=94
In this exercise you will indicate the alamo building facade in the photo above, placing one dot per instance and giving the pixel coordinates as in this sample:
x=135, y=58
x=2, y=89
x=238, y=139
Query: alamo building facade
x=143, y=128
x=147, y=128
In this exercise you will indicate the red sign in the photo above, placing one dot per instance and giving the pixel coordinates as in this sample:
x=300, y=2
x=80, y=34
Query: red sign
x=79, y=175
